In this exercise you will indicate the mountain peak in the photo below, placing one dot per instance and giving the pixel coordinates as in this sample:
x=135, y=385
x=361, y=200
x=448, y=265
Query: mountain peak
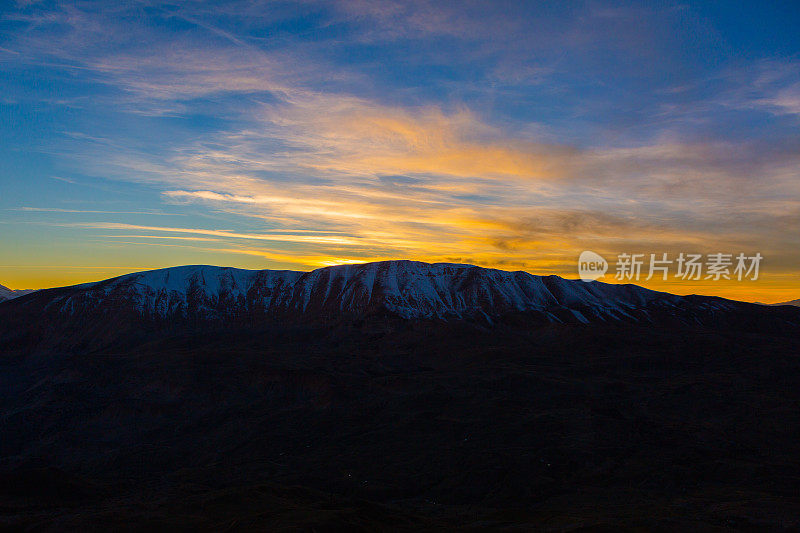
x=10, y=294
x=178, y=297
x=796, y=303
x=408, y=289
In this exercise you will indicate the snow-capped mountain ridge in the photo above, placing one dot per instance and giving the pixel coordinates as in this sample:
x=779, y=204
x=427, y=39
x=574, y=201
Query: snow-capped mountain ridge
x=10, y=294
x=408, y=289
x=796, y=303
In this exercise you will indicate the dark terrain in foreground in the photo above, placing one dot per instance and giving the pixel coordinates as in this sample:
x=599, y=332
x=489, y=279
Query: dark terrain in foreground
x=395, y=424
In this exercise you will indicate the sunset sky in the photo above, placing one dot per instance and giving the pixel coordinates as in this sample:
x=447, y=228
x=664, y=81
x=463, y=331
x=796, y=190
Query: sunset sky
x=138, y=135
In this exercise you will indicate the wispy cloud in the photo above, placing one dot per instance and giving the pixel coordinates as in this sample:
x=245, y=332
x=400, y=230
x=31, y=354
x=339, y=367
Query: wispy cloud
x=90, y=211
x=769, y=85
x=282, y=237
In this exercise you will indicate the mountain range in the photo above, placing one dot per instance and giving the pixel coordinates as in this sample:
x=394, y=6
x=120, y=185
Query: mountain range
x=791, y=302
x=404, y=289
x=9, y=294
x=396, y=395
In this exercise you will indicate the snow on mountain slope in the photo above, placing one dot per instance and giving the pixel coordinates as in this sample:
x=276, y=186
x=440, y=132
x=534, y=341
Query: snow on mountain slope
x=199, y=289
x=421, y=290
x=5, y=293
x=409, y=289
x=10, y=294
x=796, y=303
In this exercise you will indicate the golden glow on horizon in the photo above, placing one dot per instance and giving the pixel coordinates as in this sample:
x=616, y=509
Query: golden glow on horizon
x=769, y=288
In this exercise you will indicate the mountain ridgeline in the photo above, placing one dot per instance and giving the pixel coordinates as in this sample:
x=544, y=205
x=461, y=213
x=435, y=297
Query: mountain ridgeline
x=173, y=299
x=10, y=294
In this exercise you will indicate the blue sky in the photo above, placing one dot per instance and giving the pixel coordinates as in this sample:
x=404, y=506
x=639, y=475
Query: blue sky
x=294, y=135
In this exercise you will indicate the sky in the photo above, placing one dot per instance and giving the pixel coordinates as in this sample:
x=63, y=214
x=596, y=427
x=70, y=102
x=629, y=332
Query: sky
x=294, y=135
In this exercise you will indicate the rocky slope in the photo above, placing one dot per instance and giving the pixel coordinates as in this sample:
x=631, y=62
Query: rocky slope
x=131, y=308
x=408, y=289
x=10, y=294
